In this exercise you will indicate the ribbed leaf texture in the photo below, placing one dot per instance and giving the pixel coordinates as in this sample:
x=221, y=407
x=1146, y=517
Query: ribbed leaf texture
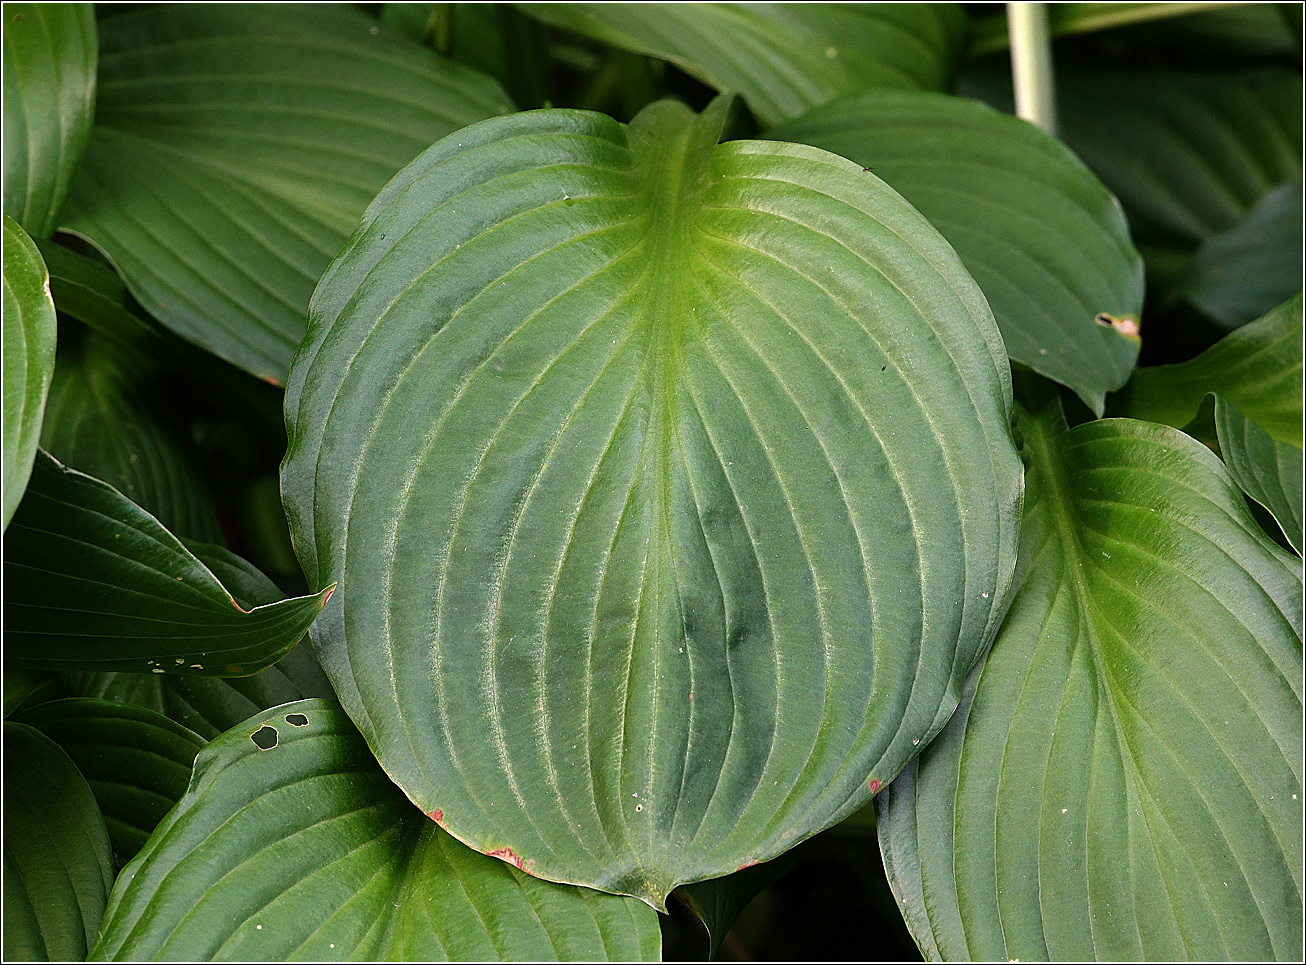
x=1123, y=779
x=668, y=487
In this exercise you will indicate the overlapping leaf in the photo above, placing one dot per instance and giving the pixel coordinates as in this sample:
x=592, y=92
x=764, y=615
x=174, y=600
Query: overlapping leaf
x=92, y=581
x=668, y=487
x=783, y=58
x=1046, y=241
x=1123, y=778
x=29, y=337
x=92, y=293
x=209, y=705
x=717, y=902
x=136, y=762
x=104, y=416
x=1258, y=368
x=57, y=864
x=235, y=147
x=1188, y=153
x=1266, y=469
x=1244, y=272
x=292, y=843
x=49, y=101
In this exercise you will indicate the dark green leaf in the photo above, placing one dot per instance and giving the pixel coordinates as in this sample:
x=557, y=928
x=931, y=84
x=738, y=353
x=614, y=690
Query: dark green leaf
x=693, y=465
x=1189, y=153
x=1258, y=368
x=1268, y=470
x=91, y=293
x=1046, y=241
x=784, y=58
x=209, y=705
x=1243, y=272
x=235, y=148
x=92, y=581
x=1123, y=778
x=25, y=687
x=57, y=864
x=718, y=901
x=292, y=842
x=106, y=417
x=49, y=100
x=29, y=340
x=136, y=762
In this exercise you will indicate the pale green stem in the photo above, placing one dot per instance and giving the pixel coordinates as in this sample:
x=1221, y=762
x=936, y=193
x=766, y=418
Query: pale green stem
x=1031, y=64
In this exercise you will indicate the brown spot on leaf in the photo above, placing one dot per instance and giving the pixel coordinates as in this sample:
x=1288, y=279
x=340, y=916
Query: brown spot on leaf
x=510, y=856
x=1126, y=326
x=748, y=864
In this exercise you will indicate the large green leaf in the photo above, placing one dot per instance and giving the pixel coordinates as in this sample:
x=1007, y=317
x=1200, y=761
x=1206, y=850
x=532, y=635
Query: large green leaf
x=784, y=58
x=106, y=416
x=29, y=339
x=49, y=100
x=92, y=581
x=292, y=843
x=1245, y=271
x=1123, y=779
x=1258, y=368
x=669, y=488
x=1189, y=153
x=57, y=864
x=1046, y=241
x=235, y=147
x=136, y=762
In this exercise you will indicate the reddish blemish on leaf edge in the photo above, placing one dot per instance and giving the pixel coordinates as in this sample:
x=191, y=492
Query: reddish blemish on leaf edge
x=874, y=785
x=437, y=816
x=748, y=864
x=510, y=856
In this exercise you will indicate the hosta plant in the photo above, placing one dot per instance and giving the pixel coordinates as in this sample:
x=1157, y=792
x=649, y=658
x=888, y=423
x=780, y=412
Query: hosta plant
x=523, y=482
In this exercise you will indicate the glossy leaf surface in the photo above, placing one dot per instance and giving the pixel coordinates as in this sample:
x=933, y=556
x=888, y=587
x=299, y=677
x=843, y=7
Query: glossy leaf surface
x=693, y=465
x=784, y=58
x=29, y=340
x=235, y=148
x=92, y=581
x=49, y=101
x=1258, y=368
x=1046, y=241
x=1123, y=778
x=57, y=864
x=106, y=416
x=1267, y=470
x=136, y=762
x=309, y=851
